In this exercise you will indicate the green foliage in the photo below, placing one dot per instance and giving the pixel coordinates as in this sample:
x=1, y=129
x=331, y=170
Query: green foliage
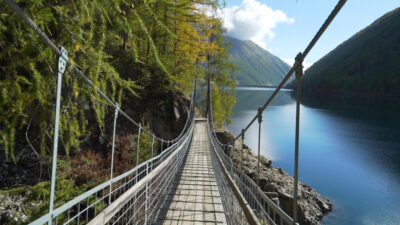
x=65, y=191
x=29, y=69
x=223, y=87
x=263, y=159
x=122, y=46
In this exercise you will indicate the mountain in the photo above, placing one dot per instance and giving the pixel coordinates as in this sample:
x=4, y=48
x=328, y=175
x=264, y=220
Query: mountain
x=367, y=64
x=256, y=65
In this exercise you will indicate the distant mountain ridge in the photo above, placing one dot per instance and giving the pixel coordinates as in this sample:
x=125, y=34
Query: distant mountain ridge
x=367, y=64
x=256, y=65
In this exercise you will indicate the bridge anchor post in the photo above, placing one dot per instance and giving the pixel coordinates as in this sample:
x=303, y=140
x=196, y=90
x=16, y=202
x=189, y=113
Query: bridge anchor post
x=147, y=196
x=138, y=145
x=113, y=150
x=299, y=73
x=137, y=163
x=152, y=146
x=241, y=160
x=232, y=154
x=62, y=64
x=260, y=111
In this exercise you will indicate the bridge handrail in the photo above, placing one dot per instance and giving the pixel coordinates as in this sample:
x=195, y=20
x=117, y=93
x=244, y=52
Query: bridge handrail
x=235, y=205
x=260, y=203
x=153, y=162
x=135, y=189
x=254, y=198
x=297, y=68
x=113, y=184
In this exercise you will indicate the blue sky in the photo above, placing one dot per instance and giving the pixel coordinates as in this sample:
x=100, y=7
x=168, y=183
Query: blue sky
x=285, y=27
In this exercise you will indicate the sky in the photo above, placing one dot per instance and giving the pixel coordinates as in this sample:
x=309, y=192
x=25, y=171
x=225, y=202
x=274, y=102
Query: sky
x=285, y=27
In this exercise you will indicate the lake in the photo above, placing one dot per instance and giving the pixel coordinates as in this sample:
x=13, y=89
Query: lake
x=349, y=150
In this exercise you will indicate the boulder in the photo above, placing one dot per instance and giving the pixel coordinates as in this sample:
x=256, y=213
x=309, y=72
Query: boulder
x=278, y=185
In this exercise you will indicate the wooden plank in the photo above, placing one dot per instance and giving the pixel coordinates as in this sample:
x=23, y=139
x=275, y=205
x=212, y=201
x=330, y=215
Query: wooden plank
x=194, y=197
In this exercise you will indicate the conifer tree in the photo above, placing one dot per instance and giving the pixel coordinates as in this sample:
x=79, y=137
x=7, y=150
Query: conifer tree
x=123, y=46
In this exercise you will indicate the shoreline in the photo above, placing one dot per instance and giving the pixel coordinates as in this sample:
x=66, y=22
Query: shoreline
x=277, y=184
x=256, y=85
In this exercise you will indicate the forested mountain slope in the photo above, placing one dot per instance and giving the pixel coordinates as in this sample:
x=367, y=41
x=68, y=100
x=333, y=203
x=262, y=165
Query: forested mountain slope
x=367, y=64
x=256, y=66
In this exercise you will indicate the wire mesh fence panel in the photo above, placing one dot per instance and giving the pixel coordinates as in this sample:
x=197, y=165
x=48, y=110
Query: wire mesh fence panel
x=141, y=207
x=266, y=211
x=233, y=210
x=131, y=158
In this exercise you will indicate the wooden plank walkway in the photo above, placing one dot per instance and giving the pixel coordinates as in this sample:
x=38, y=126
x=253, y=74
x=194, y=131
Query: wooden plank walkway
x=194, y=197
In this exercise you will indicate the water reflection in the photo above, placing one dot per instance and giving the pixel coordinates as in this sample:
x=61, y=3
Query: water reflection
x=252, y=98
x=349, y=150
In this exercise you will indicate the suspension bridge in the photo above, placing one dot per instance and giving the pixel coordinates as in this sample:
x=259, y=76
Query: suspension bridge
x=192, y=181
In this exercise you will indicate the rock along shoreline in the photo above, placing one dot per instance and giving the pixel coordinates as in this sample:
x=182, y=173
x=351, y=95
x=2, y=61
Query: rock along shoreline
x=278, y=184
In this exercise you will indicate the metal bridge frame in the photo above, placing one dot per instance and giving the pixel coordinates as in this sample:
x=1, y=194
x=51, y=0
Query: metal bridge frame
x=257, y=207
x=297, y=68
x=111, y=195
x=137, y=187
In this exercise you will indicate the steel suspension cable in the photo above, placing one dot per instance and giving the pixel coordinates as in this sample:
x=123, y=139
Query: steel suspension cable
x=75, y=68
x=256, y=206
x=324, y=26
x=298, y=68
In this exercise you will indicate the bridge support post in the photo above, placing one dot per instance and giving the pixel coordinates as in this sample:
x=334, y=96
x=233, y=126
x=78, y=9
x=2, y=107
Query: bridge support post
x=138, y=146
x=260, y=111
x=152, y=146
x=137, y=163
x=194, y=87
x=232, y=154
x=113, y=150
x=208, y=87
x=299, y=73
x=62, y=64
x=241, y=160
x=146, y=219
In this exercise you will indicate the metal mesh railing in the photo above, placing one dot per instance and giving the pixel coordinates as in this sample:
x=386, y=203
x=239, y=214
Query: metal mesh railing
x=265, y=210
x=132, y=197
x=135, y=195
x=140, y=206
x=233, y=211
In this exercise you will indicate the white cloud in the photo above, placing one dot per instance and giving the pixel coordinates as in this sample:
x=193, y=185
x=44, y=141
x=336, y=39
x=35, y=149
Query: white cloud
x=290, y=62
x=307, y=65
x=253, y=20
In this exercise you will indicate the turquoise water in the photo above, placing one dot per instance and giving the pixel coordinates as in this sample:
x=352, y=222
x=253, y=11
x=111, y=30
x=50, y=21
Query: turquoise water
x=349, y=150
